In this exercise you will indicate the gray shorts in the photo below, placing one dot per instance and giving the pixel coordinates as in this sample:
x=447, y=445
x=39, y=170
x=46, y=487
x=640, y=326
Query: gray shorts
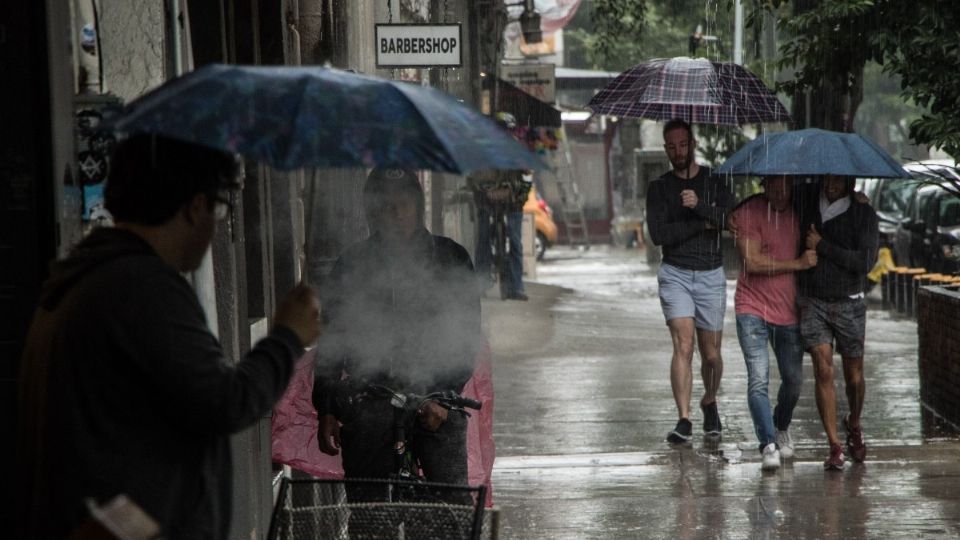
x=700, y=294
x=841, y=321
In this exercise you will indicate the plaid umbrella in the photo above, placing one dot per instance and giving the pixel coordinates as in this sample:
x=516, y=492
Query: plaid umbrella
x=694, y=89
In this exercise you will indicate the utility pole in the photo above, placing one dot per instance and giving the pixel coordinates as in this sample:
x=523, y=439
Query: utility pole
x=738, y=33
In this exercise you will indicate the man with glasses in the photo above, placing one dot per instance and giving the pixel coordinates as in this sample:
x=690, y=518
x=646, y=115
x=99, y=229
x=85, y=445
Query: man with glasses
x=123, y=387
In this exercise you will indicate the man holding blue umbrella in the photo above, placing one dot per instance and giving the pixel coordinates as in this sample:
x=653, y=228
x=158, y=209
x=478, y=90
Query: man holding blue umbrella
x=845, y=235
x=843, y=230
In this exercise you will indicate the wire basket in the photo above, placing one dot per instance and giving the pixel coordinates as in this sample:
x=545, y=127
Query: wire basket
x=361, y=509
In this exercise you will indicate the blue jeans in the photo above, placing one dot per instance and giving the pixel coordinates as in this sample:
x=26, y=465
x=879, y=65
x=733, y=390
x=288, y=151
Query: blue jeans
x=515, y=257
x=484, y=253
x=484, y=257
x=754, y=333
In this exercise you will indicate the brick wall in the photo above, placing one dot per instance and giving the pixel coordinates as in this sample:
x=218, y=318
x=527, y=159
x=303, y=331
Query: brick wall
x=938, y=327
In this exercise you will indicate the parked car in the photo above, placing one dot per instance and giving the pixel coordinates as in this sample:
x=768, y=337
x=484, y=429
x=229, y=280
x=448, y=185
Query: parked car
x=928, y=236
x=543, y=222
x=891, y=196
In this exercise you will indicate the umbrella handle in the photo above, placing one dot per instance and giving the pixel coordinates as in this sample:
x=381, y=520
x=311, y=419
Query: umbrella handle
x=306, y=202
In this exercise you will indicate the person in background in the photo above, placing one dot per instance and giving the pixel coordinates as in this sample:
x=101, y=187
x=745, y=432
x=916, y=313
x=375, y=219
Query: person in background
x=844, y=232
x=687, y=209
x=768, y=239
x=124, y=390
x=501, y=191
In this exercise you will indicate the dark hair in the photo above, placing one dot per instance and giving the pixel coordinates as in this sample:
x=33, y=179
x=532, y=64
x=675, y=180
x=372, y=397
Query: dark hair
x=151, y=177
x=675, y=124
x=385, y=182
x=849, y=182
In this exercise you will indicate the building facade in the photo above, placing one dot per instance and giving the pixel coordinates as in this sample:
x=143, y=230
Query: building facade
x=68, y=60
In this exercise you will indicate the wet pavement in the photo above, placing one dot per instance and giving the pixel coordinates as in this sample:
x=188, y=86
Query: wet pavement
x=583, y=405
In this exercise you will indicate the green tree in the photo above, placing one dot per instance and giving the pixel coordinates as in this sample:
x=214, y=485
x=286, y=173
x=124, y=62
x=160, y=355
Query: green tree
x=920, y=42
x=826, y=49
x=831, y=41
x=613, y=35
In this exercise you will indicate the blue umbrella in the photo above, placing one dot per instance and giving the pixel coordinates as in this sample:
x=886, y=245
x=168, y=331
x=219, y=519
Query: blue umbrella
x=293, y=117
x=811, y=152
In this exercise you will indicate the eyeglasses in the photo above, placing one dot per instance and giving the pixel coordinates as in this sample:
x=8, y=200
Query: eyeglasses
x=222, y=205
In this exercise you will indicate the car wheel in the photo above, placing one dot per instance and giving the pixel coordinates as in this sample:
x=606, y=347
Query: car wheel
x=540, y=245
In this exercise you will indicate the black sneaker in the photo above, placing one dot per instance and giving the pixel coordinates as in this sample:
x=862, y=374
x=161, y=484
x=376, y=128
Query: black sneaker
x=682, y=433
x=711, y=419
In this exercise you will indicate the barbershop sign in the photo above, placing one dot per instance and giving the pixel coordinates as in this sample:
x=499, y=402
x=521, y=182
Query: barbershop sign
x=419, y=45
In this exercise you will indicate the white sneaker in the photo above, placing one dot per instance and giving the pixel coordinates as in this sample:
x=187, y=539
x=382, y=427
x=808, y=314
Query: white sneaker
x=771, y=458
x=785, y=443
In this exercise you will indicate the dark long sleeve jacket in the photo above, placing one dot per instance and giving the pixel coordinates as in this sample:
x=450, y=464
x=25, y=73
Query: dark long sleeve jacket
x=846, y=252
x=410, y=320
x=683, y=232
x=124, y=389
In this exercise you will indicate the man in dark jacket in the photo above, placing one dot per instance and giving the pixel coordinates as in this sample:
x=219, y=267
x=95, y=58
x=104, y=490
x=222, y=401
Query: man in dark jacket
x=844, y=232
x=687, y=210
x=124, y=389
x=401, y=309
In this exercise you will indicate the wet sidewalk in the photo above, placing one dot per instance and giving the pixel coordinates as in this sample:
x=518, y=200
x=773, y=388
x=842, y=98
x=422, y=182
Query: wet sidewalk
x=583, y=403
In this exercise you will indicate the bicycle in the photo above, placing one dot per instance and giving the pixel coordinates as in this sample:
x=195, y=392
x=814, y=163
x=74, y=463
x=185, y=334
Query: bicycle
x=406, y=407
x=405, y=505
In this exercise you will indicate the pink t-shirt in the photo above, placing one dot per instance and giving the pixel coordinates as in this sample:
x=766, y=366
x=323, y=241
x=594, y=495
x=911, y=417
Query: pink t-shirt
x=773, y=298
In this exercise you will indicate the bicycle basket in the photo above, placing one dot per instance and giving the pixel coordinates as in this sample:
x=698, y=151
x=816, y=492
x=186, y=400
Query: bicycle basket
x=376, y=509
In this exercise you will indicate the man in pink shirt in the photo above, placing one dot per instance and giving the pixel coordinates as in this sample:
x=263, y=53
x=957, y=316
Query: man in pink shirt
x=768, y=238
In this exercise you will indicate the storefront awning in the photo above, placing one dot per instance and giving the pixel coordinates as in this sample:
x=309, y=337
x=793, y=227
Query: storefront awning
x=528, y=110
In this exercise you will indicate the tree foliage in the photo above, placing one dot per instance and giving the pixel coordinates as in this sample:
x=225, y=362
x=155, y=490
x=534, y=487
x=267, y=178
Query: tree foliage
x=921, y=44
x=830, y=42
x=615, y=21
x=613, y=35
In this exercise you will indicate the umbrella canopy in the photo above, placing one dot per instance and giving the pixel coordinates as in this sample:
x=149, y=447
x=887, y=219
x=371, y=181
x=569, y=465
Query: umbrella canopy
x=809, y=152
x=694, y=89
x=293, y=117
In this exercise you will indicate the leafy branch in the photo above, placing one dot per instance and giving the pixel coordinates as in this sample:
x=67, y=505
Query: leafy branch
x=616, y=21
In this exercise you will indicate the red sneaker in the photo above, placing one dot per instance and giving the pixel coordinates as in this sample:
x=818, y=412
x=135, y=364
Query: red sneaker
x=835, y=461
x=855, y=444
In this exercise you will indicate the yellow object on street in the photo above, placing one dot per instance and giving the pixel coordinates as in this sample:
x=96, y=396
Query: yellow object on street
x=884, y=265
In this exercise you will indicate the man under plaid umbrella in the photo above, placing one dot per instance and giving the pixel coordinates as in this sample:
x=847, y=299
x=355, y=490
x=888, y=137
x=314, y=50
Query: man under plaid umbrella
x=687, y=209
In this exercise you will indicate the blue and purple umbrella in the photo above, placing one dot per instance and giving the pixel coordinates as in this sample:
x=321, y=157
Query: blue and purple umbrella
x=298, y=117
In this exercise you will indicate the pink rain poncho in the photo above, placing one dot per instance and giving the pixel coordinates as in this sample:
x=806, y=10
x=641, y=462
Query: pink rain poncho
x=294, y=427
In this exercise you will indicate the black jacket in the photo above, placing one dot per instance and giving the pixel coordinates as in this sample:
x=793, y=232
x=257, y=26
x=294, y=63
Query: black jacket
x=124, y=390
x=683, y=233
x=846, y=252
x=512, y=180
x=409, y=320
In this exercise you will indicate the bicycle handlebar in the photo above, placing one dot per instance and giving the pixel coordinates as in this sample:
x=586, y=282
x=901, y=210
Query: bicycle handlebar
x=447, y=398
